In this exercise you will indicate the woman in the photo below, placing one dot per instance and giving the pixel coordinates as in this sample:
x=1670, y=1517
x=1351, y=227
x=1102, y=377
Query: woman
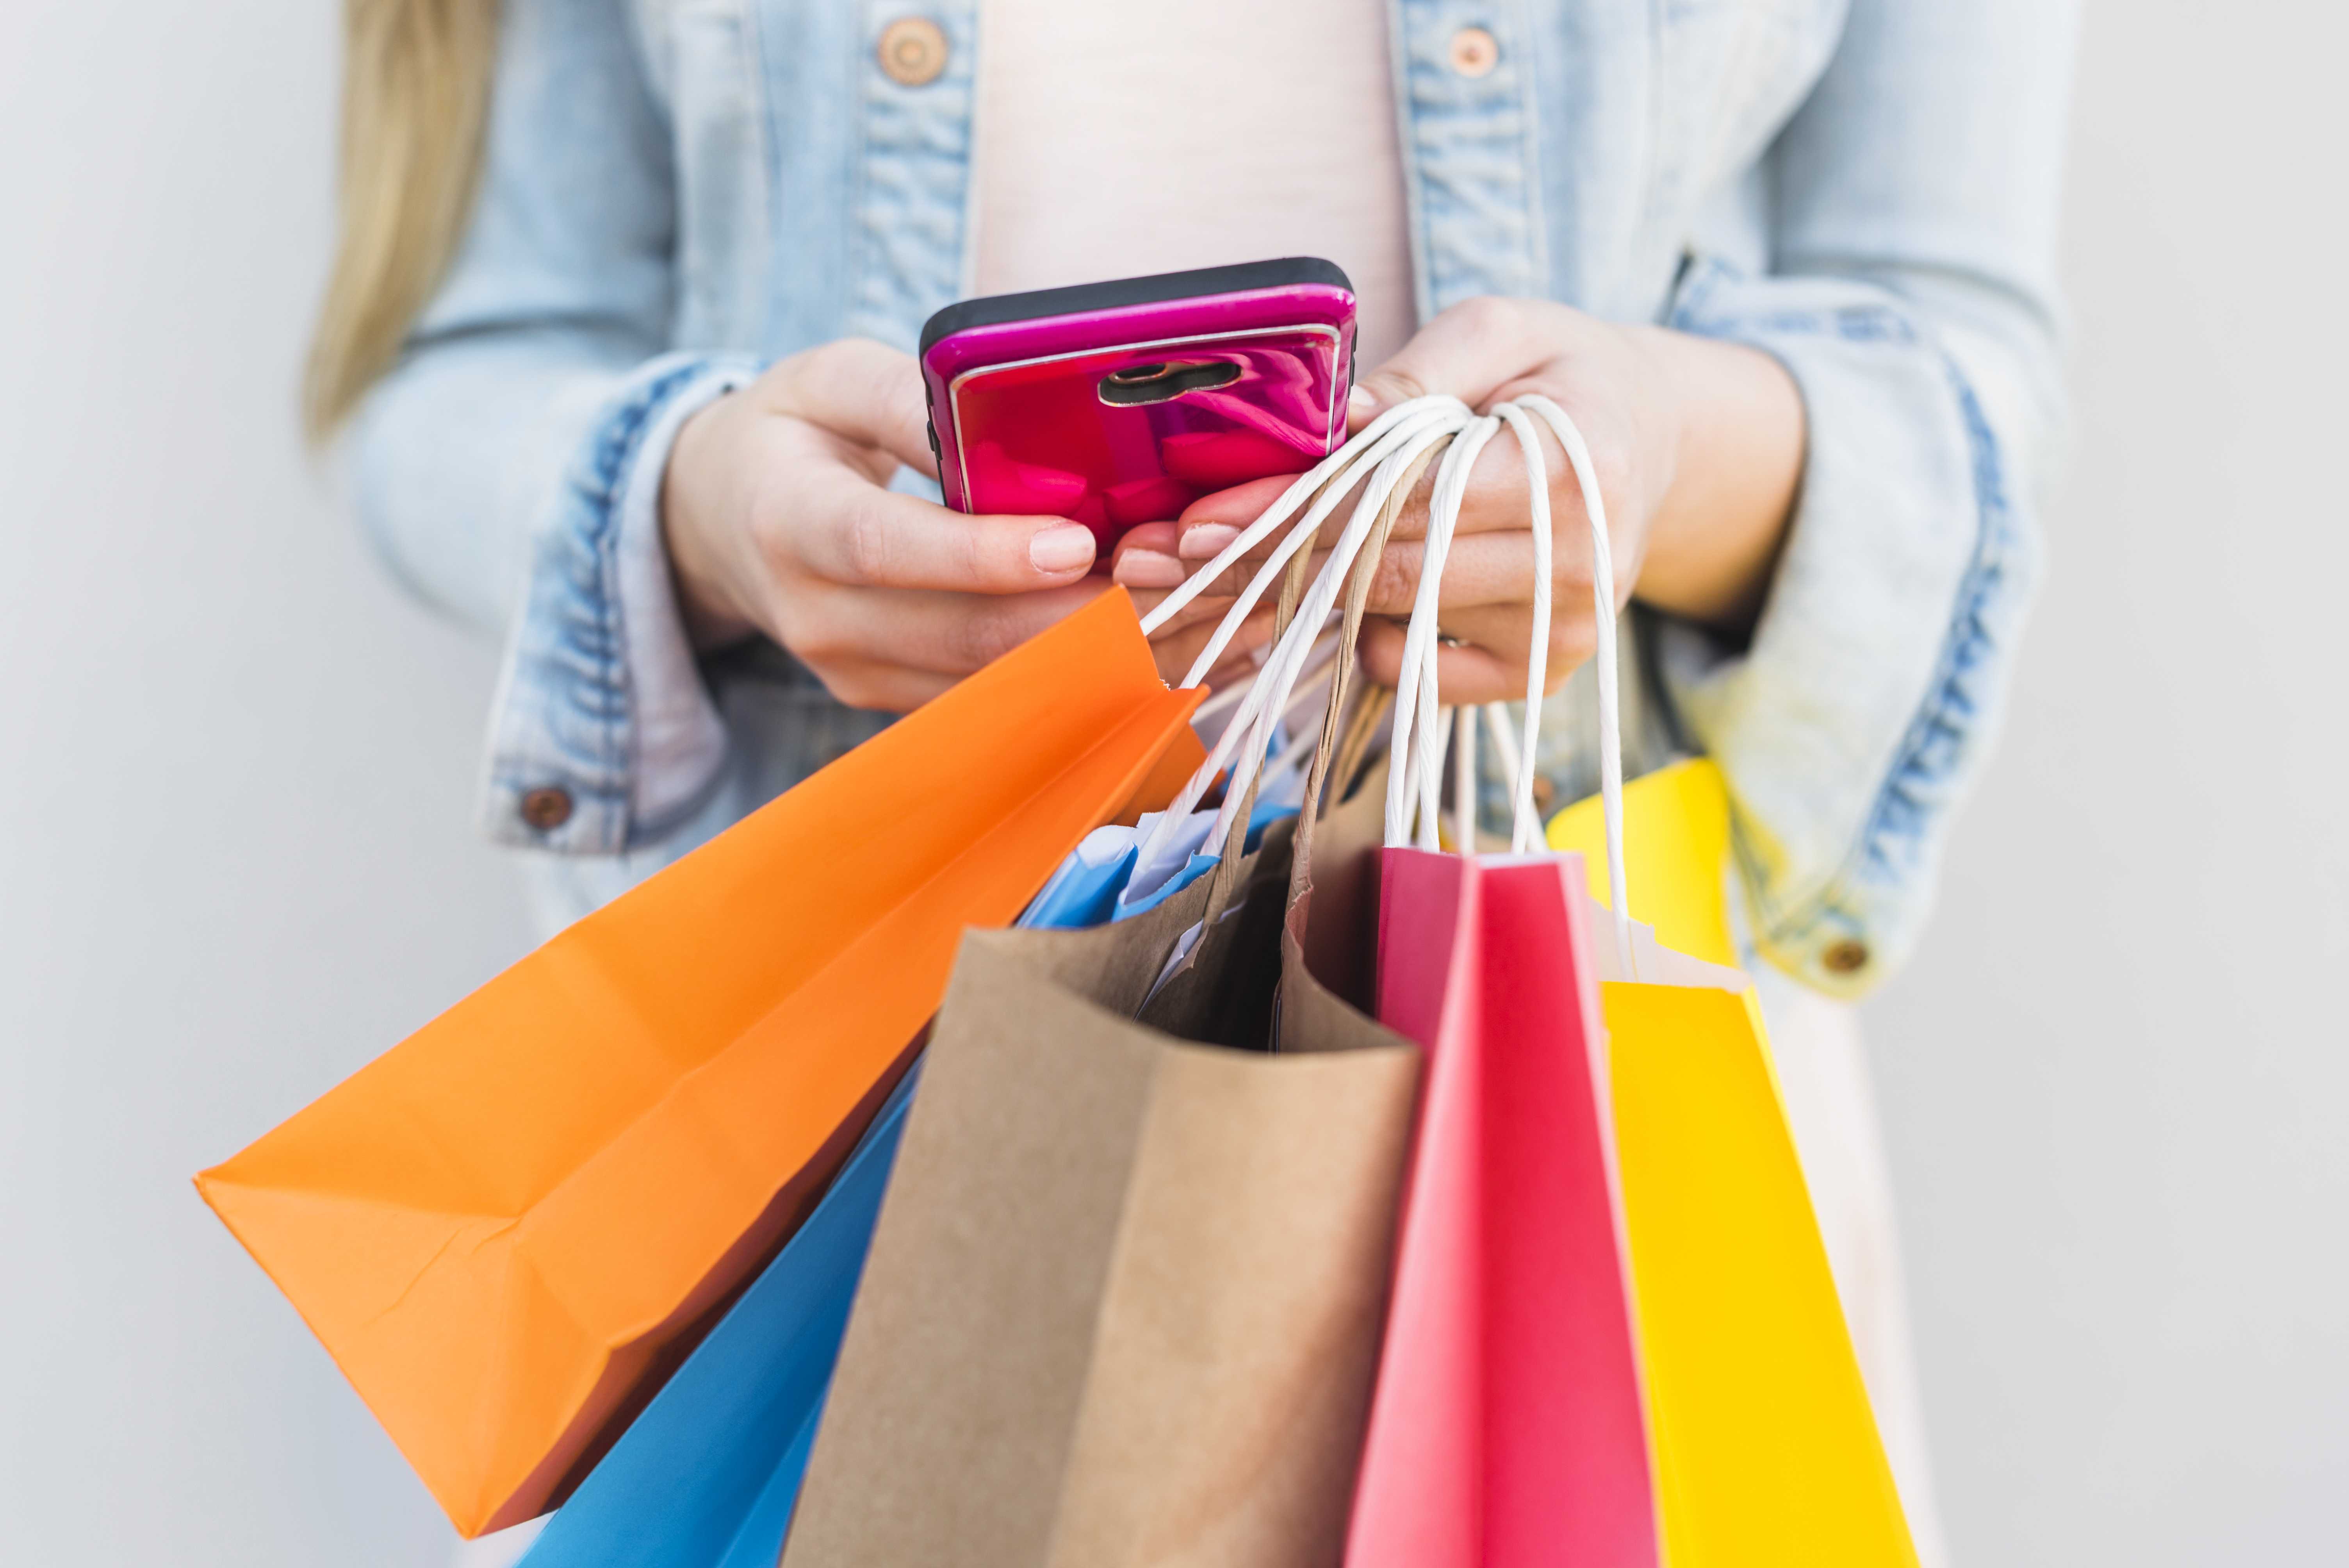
x=627, y=285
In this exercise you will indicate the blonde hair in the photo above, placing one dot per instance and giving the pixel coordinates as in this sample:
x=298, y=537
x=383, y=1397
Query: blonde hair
x=416, y=96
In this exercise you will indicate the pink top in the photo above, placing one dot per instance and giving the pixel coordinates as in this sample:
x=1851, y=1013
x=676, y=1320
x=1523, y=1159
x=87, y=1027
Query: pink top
x=1151, y=135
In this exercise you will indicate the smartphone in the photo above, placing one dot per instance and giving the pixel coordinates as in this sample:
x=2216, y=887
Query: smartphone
x=1120, y=403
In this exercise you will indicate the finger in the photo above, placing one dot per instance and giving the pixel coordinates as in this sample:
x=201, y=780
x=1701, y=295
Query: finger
x=1469, y=350
x=1192, y=632
x=1212, y=521
x=1143, y=561
x=865, y=391
x=1490, y=560
x=862, y=536
x=1212, y=524
x=1471, y=674
x=1176, y=652
x=1504, y=636
x=1223, y=588
x=1208, y=610
x=1217, y=599
x=944, y=634
x=1487, y=569
x=879, y=687
x=1145, y=558
x=1484, y=569
x=1481, y=569
x=1497, y=499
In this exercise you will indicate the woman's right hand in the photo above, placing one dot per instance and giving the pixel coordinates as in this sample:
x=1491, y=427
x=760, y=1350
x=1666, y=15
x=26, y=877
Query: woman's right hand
x=777, y=519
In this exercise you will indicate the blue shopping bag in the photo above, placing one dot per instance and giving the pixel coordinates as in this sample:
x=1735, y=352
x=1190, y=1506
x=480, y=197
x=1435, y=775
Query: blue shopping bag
x=1084, y=892
x=706, y=1477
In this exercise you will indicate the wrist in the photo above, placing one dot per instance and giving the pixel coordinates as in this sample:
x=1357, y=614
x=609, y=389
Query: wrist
x=1736, y=441
x=693, y=503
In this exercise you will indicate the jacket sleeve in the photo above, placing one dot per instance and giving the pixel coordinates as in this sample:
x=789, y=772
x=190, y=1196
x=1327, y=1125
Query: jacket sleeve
x=508, y=468
x=1910, y=293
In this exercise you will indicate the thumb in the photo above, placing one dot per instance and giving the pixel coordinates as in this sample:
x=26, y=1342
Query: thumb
x=1471, y=351
x=864, y=391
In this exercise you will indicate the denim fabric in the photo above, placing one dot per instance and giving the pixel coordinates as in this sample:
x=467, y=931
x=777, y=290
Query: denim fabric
x=600, y=672
x=677, y=191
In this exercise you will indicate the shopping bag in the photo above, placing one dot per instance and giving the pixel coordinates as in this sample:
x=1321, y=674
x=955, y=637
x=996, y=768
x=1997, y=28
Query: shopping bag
x=706, y=1476
x=1676, y=855
x=1124, y=1303
x=510, y=1227
x=1766, y=1448
x=1508, y=1426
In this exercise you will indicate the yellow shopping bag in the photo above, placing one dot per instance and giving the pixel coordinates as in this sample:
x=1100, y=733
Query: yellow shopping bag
x=1766, y=1450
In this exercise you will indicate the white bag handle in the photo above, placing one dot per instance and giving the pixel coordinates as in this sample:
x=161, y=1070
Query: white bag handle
x=1525, y=827
x=1282, y=671
x=1419, y=734
x=1385, y=449
x=1611, y=727
x=1382, y=450
x=1517, y=760
x=1420, y=656
x=1336, y=472
x=1415, y=754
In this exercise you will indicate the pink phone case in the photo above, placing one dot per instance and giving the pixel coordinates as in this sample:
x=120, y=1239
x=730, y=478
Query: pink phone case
x=1120, y=403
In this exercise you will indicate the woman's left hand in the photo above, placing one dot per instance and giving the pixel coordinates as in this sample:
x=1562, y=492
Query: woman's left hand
x=1697, y=444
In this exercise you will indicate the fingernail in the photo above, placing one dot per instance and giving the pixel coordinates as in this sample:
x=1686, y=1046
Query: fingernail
x=1148, y=568
x=1361, y=401
x=1208, y=538
x=1061, y=549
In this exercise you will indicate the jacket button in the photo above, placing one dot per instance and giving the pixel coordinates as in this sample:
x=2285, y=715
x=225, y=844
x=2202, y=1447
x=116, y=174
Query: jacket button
x=546, y=808
x=1474, y=52
x=912, y=51
x=1846, y=957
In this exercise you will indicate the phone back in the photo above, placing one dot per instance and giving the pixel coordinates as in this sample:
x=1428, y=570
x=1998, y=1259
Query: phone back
x=1116, y=404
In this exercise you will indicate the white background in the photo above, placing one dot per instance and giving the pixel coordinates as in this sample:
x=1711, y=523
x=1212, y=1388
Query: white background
x=236, y=854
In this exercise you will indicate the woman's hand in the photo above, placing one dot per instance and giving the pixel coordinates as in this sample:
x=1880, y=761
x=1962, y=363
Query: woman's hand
x=778, y=520
x=1698, y=447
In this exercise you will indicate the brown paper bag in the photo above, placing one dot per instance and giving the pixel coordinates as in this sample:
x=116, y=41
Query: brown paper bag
x=1123, y=1304
x=1124, y=1299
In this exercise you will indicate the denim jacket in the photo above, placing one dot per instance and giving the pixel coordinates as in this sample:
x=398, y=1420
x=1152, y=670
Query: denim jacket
x=675, y=192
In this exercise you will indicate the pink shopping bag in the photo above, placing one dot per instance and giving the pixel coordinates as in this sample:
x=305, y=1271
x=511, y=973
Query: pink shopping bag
x=1508, y=1426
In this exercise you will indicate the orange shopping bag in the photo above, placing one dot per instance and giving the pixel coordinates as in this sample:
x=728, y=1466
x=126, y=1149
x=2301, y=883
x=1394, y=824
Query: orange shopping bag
x=509, y=1228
